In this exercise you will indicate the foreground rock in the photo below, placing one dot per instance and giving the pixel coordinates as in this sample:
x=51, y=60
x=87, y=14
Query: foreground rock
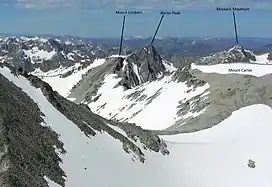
x=28, y=148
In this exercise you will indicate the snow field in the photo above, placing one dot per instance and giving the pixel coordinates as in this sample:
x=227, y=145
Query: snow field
x=210, y=158
x=257, y=70
x=64, y=85
x=157, y=115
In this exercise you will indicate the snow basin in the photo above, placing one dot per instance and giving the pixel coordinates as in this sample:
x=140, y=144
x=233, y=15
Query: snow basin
x=209, y=158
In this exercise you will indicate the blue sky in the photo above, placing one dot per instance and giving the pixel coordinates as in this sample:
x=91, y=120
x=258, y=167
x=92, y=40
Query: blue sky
x=98, y=18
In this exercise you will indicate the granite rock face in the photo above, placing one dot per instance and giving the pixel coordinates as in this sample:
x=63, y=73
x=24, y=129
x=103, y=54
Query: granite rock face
x=149, y=63
x=141, y=67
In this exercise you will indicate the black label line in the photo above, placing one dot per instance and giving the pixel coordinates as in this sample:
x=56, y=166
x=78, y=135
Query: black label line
x=157, y=29
x=122, y=35
x=235, y=27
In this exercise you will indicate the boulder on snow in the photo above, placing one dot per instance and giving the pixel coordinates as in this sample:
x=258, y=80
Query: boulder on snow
x=251, y=163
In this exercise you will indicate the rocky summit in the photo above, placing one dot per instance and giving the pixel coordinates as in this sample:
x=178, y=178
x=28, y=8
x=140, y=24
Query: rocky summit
x=141, y=67
x=235, y=54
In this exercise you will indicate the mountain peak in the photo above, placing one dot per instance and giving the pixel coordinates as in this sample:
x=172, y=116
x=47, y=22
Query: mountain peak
x=235, y=54
x=149, y=50
x=237, y=47
x=140, y=67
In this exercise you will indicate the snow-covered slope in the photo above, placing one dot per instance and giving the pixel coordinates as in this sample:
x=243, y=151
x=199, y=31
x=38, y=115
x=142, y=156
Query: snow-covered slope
x=140, y=87
x=137, y=89
x=213, y=157
x=85, y=148
x=63, y=84
x=236, y=68
x=219, y=156
x=153, y=105
x=177, y=97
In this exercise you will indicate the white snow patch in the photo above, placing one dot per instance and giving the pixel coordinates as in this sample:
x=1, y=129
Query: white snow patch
x=219, y=156
x=169, y=66
x=57, y=72
x=64, y=85
x=124, y=64
x=257, y=70
x=262, y=59
x=136, y=71
x=116, y=55
x=51, y=183
x=36, y=54
x=68, y=42
x=114, y=102
x=71, y=56
x=41, y=39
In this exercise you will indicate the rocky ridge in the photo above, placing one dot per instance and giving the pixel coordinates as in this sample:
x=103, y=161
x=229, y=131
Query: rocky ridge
x=28, y=148
x=132, y=70
x=47, y=54
x=226, y=93
x=235, y=54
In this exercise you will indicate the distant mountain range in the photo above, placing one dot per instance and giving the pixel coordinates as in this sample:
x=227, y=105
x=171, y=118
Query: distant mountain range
x=184, y=46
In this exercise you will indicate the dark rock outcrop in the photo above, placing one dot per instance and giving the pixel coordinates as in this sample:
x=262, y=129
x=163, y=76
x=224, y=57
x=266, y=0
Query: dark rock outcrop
x=27, y=147
x=269, y=56
x=251, y=164
x=141, y=67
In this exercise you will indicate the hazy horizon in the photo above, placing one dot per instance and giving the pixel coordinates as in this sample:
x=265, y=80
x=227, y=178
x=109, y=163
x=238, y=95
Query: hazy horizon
x=98, y=19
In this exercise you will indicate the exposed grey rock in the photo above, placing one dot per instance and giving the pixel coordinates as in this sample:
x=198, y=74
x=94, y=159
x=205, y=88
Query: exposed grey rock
x=251, y=164
x=149, y=63
x=27, y=147
x=88, y=86
x=49, y=65
x=180, y=61
x=141, y=67
x=185, y=75
x=235, y=54
x=226, y=94
x=269, y=56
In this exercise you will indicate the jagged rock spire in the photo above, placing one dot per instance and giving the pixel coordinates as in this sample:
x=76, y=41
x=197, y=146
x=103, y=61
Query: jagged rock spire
x=141, y=67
